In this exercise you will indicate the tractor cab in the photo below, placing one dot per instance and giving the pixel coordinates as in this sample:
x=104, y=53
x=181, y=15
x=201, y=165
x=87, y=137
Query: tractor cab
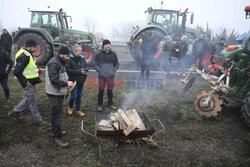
x=169, y=20
x=164, y=18
x=55, y=22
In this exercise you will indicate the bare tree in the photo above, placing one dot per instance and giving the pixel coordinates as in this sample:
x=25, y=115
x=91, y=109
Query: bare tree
x=122, y=31
x=90, y=24
x=99, y=36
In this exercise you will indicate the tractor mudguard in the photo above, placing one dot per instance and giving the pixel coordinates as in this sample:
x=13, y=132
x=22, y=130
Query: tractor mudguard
x=41, y=32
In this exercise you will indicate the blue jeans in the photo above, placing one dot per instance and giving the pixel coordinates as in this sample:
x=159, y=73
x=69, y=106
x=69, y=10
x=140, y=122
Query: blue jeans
x=76, y=95
x=4, y=83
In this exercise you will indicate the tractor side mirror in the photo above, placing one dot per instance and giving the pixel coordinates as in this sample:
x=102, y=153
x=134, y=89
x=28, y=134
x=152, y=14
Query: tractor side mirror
x=192, y=18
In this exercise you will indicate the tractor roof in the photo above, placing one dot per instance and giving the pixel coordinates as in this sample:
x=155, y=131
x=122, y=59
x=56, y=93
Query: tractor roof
x=165, y=10
x=150, y=9
x=46, y=10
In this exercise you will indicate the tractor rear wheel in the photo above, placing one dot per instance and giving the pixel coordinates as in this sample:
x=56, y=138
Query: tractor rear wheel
x=88, y=53
x=43, y=50
x=245, y=110
x=136, y=50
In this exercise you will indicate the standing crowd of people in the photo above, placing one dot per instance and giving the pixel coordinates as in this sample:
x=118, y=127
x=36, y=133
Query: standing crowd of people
x=186, y=51
x=65, y=73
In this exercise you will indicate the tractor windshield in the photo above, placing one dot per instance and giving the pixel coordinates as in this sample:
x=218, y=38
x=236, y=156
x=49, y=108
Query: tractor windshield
x=49, y=19
x=44, y=20
x=166, y=18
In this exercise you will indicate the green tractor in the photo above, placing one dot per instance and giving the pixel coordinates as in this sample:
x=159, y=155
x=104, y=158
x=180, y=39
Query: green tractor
x=161, y=22
x=229, y=76
x=50, y=29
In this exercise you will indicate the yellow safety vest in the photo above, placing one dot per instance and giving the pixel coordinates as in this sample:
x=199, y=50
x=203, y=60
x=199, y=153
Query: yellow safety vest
x=31, y=70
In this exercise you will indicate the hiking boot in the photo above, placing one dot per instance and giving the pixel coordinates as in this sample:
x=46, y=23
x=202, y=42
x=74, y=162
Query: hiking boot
x=112, y=107
x=99, y=108
x=14, y=115
x=61, y=143
x=70, y=111
x=42, y=123
x=80, y=113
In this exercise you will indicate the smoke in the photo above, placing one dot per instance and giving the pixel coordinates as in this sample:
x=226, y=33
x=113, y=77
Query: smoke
x=137, y=99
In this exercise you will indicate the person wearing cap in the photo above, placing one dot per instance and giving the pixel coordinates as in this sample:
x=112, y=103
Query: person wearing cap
x=219, y=46
x=27, y=74
x=106, y=64
x=56, y=86
x=77, y=69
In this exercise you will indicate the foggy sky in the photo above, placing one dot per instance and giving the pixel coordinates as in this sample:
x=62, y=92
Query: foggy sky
x=108, y=13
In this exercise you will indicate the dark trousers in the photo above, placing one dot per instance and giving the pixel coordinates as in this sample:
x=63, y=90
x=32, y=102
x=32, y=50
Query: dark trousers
x=56, y=103
x=76, y=96
x=4, y=83
x=145, y=67
x=199, y=58
x=110, y=86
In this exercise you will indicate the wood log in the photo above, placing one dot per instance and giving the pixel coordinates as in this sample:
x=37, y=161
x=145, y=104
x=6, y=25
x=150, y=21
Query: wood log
x=135, y=118
x=131, y=126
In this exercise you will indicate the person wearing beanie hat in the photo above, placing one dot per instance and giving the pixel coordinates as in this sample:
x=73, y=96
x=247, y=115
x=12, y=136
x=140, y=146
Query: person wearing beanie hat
x=105, y=42
x=56, y=87
x=64, y=50
x=30, y=43
x=106, y=64
x=27, y=74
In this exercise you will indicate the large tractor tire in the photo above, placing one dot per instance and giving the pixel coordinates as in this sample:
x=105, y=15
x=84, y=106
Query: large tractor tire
x=245, y=110
x=43, y=50
x=136, y=52
x=89, y=54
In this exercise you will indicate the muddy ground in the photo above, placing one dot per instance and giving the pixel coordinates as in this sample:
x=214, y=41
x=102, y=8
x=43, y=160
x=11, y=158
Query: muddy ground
x=187, y=140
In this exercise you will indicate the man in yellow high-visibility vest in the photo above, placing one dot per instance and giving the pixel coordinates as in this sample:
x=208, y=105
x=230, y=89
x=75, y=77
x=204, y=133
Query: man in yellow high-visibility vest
x=27, y=74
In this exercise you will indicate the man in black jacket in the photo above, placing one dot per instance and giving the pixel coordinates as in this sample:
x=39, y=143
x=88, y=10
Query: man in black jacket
x=106, y=64
x=77, y=69
x=5, y=67
x=56, y=84
x=149, y=48
x=199, y=50
x=27, y=74
x=6, y=41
